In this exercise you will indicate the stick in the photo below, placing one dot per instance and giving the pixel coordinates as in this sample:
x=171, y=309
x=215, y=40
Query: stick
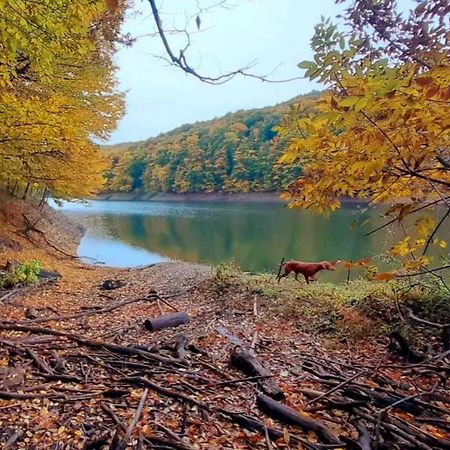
x=112, y=415
x=240, y=380
x=141, y=381
x=325, y=394
x=88, y=313
x=121, y=349
x=290, y=416
x=123, y=444
x=279, y=268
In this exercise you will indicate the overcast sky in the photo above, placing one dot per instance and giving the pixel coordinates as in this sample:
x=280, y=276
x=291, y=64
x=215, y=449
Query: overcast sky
x=274, y=34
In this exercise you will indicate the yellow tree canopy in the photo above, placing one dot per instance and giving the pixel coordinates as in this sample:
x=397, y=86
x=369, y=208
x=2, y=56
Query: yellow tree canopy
x=57, y=93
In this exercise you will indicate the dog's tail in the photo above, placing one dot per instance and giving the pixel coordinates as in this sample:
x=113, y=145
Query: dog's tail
x=282, y=263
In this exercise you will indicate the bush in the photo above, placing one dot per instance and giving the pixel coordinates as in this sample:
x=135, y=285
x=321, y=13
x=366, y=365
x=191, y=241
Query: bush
x=225, y=275
x=22, y=274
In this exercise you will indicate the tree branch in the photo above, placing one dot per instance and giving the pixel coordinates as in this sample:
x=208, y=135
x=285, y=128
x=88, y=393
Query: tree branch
x=181, y=62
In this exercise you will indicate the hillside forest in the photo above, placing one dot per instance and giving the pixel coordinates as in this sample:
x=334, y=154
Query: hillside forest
x=235, y=153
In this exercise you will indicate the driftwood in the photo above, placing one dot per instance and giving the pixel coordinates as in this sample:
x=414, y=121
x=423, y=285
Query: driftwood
x=290, y=416
x=166, y=321
x=251, y=366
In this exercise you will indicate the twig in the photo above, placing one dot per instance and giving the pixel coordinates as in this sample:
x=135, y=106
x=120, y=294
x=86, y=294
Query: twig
x=89, y=312
x=240, y=380
x=135, y=419
x=427, y=322
x=436, y=228
x=266, y=434
x=10, y=443
x=336, y=388
x=183, y=445
x=113, y=416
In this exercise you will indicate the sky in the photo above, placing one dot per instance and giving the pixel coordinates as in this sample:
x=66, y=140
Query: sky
x=272, y=34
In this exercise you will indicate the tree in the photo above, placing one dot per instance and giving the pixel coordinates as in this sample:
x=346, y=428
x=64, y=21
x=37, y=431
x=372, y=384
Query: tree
x=381, y=131
x=58, y=92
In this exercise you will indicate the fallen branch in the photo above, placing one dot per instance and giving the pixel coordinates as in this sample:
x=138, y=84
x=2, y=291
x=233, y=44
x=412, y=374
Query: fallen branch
x=141, y=381
x=123, y=443
x=90, y=312
x=18, y=396
x=240, y=380
x=427, y=322
x=121, y=349
x=251, y=366
x=290, y=416
x=336, y=388
x=253, y=424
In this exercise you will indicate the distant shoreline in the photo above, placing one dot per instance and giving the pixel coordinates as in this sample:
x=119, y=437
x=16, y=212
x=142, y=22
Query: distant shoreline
x=191, y=197
x=249, y=197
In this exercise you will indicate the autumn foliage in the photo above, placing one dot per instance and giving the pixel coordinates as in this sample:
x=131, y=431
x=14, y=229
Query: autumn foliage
x=234, y=153
x=57, y=92
x=381, y=130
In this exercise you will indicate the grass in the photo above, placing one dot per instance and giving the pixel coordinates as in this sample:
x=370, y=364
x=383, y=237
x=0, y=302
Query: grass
x=353, y=310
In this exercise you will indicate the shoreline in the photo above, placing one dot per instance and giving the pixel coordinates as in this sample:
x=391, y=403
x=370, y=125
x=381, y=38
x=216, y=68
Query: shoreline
x=190, y=197
x=248, y=197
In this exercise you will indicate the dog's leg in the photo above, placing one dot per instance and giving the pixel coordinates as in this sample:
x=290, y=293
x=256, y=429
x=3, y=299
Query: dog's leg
x=282, y=276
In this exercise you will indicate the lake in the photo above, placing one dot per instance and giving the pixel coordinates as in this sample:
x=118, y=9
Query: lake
x=253, y=235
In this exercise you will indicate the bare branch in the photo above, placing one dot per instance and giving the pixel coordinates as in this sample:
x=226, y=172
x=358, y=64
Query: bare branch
x=181, y=62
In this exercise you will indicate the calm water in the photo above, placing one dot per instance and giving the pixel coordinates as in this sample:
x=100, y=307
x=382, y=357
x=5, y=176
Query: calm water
x=253, y=235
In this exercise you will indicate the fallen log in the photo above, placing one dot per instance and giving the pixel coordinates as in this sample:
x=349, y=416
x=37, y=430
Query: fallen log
x=251, y=366
x=166, y=321
x=290, y=416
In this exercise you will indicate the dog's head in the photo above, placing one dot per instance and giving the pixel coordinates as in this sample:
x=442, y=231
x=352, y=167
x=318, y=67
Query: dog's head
x=329, y=265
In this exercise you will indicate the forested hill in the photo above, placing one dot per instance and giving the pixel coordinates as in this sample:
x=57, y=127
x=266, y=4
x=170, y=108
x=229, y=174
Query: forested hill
x=235, y=153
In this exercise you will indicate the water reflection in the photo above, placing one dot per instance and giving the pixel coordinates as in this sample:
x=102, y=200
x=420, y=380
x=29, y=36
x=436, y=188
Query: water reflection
x=254, y=235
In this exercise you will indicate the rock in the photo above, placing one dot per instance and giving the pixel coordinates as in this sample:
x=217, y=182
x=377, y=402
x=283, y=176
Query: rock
x=46, y=275
x=31, y=313
x=112, y=284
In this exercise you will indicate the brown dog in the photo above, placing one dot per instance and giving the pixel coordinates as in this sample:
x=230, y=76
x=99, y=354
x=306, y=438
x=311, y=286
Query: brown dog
x=308, y=270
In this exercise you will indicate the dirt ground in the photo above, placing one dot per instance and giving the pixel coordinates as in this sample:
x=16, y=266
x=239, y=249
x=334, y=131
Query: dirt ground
x=79, y=369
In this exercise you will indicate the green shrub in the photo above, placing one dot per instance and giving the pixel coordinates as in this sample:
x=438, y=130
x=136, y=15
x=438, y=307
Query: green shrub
x=23, y=274
x=225, y=275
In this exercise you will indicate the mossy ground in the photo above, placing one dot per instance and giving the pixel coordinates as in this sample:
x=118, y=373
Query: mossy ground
x=347, y=311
